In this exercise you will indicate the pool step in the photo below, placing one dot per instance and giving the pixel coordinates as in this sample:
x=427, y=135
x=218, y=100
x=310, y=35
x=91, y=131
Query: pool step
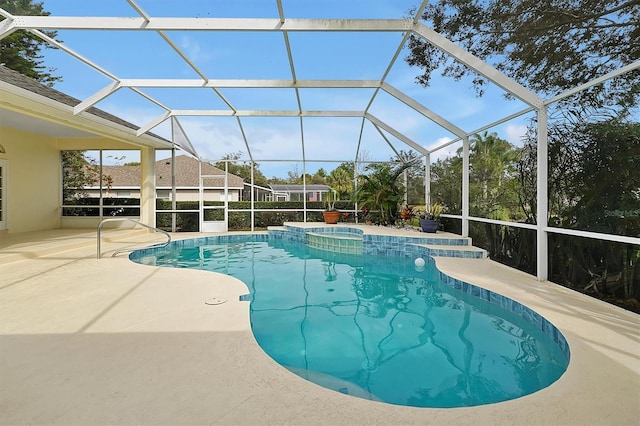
x=467, y=252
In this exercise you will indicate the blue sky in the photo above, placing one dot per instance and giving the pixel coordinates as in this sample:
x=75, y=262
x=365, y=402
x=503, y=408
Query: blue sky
x=237, y=55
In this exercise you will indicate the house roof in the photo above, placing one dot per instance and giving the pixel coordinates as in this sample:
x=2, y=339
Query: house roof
x=300, y=188
x=21, y=81
x=187, y=175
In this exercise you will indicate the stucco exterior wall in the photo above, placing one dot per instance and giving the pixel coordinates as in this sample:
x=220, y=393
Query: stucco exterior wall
x=33, y=182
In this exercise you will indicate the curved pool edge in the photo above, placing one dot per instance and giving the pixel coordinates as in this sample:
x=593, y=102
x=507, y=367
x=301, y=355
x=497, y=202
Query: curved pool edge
x=496, y=298
x=514, y=306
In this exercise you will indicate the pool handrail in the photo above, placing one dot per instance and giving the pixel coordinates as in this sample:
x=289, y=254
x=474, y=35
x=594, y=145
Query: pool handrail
x=137, y=222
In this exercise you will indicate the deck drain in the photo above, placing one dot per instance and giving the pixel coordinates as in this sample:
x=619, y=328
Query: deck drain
x=215, y=301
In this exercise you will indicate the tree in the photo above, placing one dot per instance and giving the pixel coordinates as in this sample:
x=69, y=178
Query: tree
x=20, y=51
x=319, y=177
x=446, y=183
x=492, y=170
x=415, y=175
x=548, y=46
x=242, y=168
x=78, y=172
x=341, y=180
x=381, y=191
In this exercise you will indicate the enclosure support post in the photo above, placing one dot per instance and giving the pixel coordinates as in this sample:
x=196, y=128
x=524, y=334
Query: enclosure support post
x=253, y=201
x=542, y=213
x=200, y=198
x=304, y=191
x=174, y=202
x=355, y=188
x=148, y=186
x=465, y=186
x=406, y=188
x=226, y=195
x=427, y=180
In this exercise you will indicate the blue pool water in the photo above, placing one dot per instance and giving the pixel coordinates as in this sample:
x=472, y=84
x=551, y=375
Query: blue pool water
x=378, y=328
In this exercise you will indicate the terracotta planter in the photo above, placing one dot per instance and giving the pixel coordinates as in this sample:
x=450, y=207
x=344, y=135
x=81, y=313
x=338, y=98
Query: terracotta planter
x=331, y=217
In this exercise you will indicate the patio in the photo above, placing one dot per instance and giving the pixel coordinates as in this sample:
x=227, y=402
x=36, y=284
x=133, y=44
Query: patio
x=109, y=341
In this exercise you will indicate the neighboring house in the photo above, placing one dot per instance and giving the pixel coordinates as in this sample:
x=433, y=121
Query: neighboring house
x=292, y=192
x=124, y=181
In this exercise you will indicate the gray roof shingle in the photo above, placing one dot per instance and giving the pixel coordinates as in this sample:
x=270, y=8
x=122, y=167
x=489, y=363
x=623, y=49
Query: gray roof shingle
x=187, y=174
x=14, y=78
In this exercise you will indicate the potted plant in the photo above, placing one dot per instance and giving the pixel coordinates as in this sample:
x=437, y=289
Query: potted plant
x=430, y=218
x=331, y=214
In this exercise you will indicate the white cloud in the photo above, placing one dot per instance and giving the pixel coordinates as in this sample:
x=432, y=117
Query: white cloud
x=441, y=154
x=194, y=50
x=514, y=133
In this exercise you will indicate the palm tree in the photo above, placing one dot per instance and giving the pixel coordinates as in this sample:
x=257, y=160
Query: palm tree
x=341, y=180
x=381, y=191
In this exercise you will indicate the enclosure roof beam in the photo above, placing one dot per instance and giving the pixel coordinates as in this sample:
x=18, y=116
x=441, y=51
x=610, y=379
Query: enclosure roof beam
x=153, y=123
x=386, y=139
x=285, y=36
x=630, y=67
x=209, y=24
x=78, y=56
x=360, y=138
x=180, y=53
x=149, y=98
x=96, y=97
x=7, y=26
x=396, y=133
x=265, y=113
x=6, y=14
x=439, y=120
x=254, y=84
x=485, y=127
x=392, y=62
x=138, y=9
x=478, y=65
x=244, y=138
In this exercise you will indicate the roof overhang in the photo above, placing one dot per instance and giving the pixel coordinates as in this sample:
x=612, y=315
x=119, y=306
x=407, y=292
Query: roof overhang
x=28, y=111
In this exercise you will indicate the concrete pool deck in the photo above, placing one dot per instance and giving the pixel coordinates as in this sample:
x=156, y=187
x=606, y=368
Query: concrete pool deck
x=109, y=341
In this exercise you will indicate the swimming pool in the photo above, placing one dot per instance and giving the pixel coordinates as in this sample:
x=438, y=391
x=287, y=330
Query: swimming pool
x=377, y=328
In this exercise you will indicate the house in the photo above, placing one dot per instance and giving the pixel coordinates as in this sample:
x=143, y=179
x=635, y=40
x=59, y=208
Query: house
x=124, y=181
x=290, y=192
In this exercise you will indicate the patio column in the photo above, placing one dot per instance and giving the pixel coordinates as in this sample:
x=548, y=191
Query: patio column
x=542, y=213
x=148, y=186
x=465, y=186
